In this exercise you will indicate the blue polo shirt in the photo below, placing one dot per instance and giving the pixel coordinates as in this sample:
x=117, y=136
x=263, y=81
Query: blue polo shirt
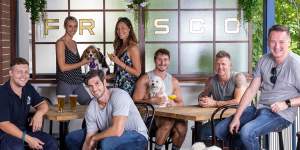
x=16, y=109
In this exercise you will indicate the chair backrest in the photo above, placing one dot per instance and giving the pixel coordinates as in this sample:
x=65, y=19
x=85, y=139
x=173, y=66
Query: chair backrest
x=221, y=109
x=147, y=113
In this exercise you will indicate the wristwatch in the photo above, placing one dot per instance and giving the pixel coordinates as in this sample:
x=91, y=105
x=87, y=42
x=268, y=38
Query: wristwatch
x=288, y=102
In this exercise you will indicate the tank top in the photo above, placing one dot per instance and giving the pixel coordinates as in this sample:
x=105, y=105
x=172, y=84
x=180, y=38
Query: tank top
x=167, y=81
x=223, y=92
x=74, y=76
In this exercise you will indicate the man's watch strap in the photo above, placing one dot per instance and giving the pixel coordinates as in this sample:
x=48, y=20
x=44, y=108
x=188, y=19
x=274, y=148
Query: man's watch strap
x=288, y=102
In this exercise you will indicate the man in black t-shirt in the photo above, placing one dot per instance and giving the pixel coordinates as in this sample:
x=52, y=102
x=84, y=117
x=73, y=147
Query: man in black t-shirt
x=16, y=98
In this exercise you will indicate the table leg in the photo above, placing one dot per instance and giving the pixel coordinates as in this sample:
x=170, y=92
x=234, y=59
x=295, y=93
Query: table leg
x=63, y=131
x=196, y=131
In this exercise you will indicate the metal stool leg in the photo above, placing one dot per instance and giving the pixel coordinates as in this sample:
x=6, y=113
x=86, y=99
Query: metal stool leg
x=50, y=127
x=298, y=141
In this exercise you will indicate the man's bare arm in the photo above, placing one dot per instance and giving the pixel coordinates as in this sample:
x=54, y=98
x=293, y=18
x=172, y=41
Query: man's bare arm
x=37, y=120
x=207, y=89
x=13, y=130
x=117, y=128
x=87, y=141
x=177, y=91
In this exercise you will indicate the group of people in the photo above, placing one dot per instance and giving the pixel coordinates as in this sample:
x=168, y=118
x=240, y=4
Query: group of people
x=112, y=119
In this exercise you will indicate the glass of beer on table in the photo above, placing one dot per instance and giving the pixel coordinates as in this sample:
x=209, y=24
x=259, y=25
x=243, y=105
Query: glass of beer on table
x=73, y=102
x=60, y=102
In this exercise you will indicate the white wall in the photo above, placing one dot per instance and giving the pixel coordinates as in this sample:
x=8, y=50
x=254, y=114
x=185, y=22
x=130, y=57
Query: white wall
x=24, y=32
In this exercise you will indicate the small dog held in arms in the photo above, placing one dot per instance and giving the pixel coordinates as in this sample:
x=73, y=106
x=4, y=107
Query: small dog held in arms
x=96, y=58
x=157, y=88
x=202, y=146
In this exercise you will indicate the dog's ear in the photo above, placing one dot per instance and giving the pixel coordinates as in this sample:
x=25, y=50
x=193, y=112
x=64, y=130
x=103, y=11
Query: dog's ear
x=84, y=54
x=98, y=55
x=102, y=59
x=98, y=49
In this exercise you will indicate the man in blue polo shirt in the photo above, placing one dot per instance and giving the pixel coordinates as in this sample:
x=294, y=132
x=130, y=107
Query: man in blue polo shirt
x=16, y=98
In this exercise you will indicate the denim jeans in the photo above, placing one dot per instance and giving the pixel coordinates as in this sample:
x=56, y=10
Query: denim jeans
x=129, y=140
x=253, y=123
x=8, y=142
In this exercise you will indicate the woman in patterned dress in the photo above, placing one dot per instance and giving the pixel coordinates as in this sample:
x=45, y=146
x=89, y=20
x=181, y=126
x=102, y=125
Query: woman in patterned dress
x=68, y=70
x=126, y=56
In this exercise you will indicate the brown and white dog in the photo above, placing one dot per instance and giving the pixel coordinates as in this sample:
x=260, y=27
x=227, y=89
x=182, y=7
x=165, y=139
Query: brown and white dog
x=96, y=58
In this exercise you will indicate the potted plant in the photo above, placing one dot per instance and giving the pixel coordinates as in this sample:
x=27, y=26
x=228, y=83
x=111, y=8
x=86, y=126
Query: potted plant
x=36, y=8
x=138, y=5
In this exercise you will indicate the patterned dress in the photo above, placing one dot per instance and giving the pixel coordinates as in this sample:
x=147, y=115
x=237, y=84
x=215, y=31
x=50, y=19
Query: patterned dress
x=123, y=79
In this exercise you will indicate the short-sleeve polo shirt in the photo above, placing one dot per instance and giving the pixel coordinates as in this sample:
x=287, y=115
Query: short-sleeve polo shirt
x=16, y=109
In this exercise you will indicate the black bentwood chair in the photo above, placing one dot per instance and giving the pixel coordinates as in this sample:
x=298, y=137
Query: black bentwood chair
x=147, y=112
x=220, y=110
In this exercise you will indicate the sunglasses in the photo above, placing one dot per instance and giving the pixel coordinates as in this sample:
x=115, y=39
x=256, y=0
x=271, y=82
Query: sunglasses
x=273, y=78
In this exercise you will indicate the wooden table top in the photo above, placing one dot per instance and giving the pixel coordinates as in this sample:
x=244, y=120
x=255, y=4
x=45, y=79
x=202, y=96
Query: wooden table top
x=193, y=112
x=67, y=114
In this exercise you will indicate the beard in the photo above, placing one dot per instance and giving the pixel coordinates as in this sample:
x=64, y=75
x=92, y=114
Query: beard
x=101, y=95
x=163, y=69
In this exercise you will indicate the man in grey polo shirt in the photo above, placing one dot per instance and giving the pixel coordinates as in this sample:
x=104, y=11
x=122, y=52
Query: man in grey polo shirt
x=277, y=76
x=112, y=112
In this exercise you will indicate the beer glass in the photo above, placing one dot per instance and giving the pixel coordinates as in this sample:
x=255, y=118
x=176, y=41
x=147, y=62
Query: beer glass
x=60, y=102
x=73, y=102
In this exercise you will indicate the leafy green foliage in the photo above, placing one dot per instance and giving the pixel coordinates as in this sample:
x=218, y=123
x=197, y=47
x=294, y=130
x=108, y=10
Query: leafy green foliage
x=36, y=8
x=257, y=26
x=287, y=13
x=249, y=8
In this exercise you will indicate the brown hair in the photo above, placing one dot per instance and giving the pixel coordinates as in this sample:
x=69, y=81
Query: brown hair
x=279, y=28
x=161, y=51
x=131, y=37
x=94, y=73
x=69, y=18
x=19, y=61
x=222, y=54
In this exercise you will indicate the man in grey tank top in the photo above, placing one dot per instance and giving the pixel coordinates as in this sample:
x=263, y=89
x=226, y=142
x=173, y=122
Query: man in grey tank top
x=141, y=94
x=223, y=88
x=112, y=112
x=277, y=76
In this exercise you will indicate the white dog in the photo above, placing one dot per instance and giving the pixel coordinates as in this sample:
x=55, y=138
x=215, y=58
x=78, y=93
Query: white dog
x=157, y=88
x=202, y=146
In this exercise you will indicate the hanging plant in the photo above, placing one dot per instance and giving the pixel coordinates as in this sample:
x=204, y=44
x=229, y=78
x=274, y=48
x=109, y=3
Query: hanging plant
x=247, y=9
x=137, y=5
x=36, y=8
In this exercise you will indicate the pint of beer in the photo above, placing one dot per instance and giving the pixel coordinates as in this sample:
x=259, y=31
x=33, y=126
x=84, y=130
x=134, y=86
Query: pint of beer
x=60, y=102
x=73, y=102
